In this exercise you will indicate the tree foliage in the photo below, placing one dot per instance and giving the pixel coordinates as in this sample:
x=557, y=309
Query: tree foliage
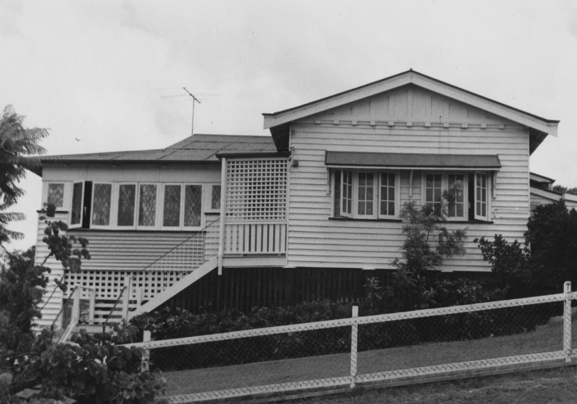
x=428, y=242
x=18, y=146
x=546, y=260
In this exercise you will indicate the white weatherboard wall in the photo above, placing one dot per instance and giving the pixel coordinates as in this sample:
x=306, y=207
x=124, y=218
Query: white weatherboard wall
x=117, y=250
x=396, y=122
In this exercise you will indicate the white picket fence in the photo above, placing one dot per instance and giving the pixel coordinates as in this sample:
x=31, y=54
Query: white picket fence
x=215, y=381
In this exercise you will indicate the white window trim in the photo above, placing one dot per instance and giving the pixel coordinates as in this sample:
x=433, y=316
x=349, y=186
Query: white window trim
x=207, y=198
x=115, y=207
x=445, y=186
x=111, y=210
x=64, y=193
x=376, y=194
x=488, y=188
x=82, y=213
x=203, y=189
x=158, y=209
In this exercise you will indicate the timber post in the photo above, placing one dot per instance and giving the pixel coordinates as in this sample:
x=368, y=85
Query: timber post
x=354, y=343
x=567, y=322
x=222, y=215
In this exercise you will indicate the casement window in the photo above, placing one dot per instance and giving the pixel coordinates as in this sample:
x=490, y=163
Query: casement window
x=366, y=194
x=55, y=194
x=468, y=199
x=144, y=206
x=147, y=204
x=182, y=206
x=126, y=206
x=215, y=193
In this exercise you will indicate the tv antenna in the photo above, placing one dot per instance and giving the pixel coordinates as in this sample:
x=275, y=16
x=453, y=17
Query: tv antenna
x=194, y=99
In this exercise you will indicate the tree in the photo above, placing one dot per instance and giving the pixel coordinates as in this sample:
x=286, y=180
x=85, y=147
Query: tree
x=564, y=190
x=18, y=146
x=427, y=244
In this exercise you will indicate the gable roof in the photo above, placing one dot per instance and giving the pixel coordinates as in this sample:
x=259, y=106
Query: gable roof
x=278, y=122
x=194, y=149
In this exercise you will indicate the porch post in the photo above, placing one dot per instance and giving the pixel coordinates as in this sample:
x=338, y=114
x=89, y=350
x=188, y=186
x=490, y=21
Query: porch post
x=222, y=215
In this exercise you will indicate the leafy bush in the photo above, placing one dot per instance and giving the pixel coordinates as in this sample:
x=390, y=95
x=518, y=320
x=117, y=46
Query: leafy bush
x=546, y=260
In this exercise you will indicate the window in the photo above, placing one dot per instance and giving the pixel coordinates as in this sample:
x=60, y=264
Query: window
x=215, y=197
x=147, y=205
x=182, y=206
x=56, y=195
x=366, y=194
x=101, y=204
x=467, y=199
x=126, y=205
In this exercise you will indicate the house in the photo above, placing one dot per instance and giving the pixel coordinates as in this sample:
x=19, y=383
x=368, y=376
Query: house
x=542, y=193
x=309, y=212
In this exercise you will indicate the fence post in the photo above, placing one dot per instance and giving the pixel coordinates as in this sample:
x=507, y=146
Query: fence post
x=354, y=341
x=145, y=363
x=567, y=322
x=126, y=297
x=75, y=304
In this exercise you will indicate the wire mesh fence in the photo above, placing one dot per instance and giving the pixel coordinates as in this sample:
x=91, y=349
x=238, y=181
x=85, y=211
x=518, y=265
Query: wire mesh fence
x=369, y=349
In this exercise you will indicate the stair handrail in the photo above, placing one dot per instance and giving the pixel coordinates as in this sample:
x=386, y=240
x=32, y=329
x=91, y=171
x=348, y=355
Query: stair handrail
x=113, y=307
x=64, y=306
x=178, y=245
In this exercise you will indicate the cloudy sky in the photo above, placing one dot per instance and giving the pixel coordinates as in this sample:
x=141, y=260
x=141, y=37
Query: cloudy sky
x=106, y=76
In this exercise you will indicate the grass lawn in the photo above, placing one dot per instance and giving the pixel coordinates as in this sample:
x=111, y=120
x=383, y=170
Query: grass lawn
x=537, y=387
x=545, y=339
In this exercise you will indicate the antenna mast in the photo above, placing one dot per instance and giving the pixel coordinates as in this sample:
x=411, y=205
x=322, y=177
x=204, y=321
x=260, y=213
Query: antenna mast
x=194, y=99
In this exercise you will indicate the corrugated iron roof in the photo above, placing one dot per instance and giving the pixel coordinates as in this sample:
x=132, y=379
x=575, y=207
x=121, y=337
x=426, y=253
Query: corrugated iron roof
x=196, y=148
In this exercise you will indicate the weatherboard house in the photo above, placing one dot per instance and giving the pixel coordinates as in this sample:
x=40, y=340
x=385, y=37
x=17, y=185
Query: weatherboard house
x=219, y=221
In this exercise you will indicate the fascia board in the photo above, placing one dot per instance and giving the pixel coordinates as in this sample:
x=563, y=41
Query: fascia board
x=271, y=120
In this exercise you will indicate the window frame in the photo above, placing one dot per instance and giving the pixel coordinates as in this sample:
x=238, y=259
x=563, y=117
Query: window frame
x=116, y=206
x=82, y=210
x=444, y=186
x=487, y=200
x=111, y=216
x=208, y=198
x=354, y=197
x=202, y=205
x=180, y=208
x=64, y=193
x=158, y=207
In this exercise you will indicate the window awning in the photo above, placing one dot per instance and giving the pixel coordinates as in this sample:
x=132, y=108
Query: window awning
x=407, y=161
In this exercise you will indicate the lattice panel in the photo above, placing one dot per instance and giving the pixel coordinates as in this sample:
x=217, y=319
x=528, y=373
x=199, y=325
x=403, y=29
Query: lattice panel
x=256, y=189
x=56, y=194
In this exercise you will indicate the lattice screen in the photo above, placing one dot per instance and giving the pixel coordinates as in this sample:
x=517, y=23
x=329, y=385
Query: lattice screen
x=256, y=189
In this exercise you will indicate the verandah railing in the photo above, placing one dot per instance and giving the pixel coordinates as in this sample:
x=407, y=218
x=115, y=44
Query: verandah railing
x=103, y=288
x=390, y=348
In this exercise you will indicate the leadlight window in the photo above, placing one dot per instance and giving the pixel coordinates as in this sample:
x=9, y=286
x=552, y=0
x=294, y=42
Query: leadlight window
x=365, y=194
x=192, y=205
x=101, y=203
x=215, y=197
x=171, y=216
x=56, y=195
x=147, y=205
x=434, y=190
x=456, y=205
x=126, y=205
x=448, y=192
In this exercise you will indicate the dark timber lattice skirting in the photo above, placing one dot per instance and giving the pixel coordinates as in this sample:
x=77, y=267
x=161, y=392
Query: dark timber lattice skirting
x=245, y=288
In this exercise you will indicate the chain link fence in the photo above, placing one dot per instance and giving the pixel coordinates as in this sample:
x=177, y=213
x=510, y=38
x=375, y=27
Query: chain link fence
x=369, y=349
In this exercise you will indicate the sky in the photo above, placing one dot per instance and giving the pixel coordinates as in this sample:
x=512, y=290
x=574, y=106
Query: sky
x=109, y=75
